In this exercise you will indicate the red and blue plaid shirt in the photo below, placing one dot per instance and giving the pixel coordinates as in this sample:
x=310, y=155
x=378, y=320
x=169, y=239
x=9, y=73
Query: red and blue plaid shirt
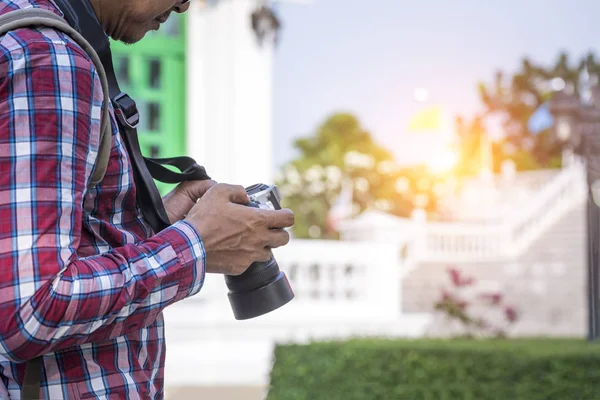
x=83, y=279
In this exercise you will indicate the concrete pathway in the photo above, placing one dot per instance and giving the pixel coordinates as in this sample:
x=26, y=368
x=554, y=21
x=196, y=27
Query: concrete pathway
x=215, y=393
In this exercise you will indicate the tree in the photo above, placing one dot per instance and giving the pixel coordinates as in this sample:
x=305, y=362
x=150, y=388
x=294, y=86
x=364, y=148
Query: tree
x=343, y=151
x=514, y=99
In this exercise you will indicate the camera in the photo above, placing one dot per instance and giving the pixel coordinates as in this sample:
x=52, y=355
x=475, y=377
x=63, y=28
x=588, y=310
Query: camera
x=262, y=288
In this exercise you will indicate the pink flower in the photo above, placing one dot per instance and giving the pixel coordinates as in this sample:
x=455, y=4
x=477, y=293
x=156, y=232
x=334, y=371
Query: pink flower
x=455, y=276
x=511, y=314
x=458, y=280
x=493, y=298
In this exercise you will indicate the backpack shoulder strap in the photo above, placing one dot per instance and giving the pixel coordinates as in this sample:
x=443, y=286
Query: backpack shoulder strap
x=29, y=17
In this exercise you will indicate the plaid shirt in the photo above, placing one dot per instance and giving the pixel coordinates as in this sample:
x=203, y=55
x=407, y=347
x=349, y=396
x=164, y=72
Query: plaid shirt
x=83, y=279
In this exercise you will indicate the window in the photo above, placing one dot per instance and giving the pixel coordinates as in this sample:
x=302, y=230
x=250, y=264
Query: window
x=153, y=115
x=154, y=73
x=123, y=70
x=149, y=116
x=154, y=151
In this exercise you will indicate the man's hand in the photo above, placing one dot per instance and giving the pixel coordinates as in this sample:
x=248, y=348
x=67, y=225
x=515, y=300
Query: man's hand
x=179, y=201
x=235, y=235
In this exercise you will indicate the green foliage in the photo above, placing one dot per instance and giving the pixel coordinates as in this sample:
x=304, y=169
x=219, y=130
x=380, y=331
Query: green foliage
x=342, y=150
x=515, y=98
x=338, y=135
x=437, y=370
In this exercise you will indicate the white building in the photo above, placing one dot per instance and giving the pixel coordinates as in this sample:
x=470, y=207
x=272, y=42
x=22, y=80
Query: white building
x=229, y=100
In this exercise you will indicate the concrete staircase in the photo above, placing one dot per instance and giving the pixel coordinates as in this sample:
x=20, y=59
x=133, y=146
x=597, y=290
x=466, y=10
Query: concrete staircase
x=546, y=284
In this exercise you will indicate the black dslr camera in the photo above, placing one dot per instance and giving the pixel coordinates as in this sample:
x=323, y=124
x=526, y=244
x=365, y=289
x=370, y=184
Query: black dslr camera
x=262, y=288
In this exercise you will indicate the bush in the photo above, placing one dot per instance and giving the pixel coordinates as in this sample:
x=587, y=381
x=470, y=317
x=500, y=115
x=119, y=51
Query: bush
x=435, y=369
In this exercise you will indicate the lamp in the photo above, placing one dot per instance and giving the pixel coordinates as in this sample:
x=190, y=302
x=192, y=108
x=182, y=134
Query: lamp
x=265, y=24
x=577, y=127
x=595, y=189
x=563, y=129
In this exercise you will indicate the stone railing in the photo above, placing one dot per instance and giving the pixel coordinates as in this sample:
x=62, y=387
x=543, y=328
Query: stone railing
x=332, y=280
x=493, y=198
x=343, y=290
x=567, y=189
x=453, y=242
x=441, y=242
x=342, y=278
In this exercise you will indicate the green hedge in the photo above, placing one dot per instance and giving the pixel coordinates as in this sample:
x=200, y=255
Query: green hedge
x=430, y=370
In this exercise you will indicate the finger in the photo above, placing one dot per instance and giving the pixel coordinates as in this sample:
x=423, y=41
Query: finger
x=264, y=255
x=277, y=238
x=196, y=189
x=234, y=193
x=283, y=218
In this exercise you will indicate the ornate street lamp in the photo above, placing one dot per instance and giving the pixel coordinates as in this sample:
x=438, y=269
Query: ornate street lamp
x=265, y=24
x=577, y=126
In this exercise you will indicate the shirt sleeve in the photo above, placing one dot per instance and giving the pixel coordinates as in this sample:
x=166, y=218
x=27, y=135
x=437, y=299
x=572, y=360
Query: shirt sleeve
x=50, y=109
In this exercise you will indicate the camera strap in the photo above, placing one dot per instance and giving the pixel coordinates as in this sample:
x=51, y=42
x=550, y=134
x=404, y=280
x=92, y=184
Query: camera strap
x=81, y=16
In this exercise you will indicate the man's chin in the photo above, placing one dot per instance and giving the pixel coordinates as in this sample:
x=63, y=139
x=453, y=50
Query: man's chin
x=132, y=38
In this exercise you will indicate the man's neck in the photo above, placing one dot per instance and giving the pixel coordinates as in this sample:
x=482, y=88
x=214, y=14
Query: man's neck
x=100, y=9
x=108, y=14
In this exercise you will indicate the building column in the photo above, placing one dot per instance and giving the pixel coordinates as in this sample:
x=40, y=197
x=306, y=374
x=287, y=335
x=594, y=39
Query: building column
x=229, y=93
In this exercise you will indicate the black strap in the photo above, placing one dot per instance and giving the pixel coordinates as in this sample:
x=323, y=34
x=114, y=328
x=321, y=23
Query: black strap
x=32, y=379
x=81, y=16
x=190, y=171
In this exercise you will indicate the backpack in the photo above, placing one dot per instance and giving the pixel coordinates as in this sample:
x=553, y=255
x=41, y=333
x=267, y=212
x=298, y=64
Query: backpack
x=31, y=17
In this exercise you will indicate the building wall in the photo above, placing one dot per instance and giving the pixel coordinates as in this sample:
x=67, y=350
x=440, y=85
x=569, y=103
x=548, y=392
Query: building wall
x=152, y=72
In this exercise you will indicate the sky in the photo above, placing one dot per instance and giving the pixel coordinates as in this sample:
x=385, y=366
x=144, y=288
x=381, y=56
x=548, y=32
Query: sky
x=367, y=58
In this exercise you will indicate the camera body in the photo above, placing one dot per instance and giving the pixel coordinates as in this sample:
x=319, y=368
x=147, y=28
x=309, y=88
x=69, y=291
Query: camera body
x=262, y=288
x=264, y=196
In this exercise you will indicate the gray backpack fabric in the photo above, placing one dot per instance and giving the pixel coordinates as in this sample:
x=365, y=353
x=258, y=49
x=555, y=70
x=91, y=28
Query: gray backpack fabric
x=35, y=17
x=31, y=17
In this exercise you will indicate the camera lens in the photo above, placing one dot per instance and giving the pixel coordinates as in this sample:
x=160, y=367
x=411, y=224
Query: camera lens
x=254, y=277
x=260, y=290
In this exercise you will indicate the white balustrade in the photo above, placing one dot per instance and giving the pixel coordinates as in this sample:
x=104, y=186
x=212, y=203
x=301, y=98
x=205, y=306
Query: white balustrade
x=344, y=279
x=566, y=190
x=456, y=242
x=534, y=180
x=343, y=289
x=332, y=281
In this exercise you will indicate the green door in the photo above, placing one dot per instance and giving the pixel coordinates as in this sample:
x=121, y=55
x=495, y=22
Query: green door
x=153, y=72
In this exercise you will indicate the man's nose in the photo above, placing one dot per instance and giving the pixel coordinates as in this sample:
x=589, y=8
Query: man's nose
x=182, y=6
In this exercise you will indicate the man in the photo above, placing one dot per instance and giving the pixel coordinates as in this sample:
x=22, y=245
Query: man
x=83, y=278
